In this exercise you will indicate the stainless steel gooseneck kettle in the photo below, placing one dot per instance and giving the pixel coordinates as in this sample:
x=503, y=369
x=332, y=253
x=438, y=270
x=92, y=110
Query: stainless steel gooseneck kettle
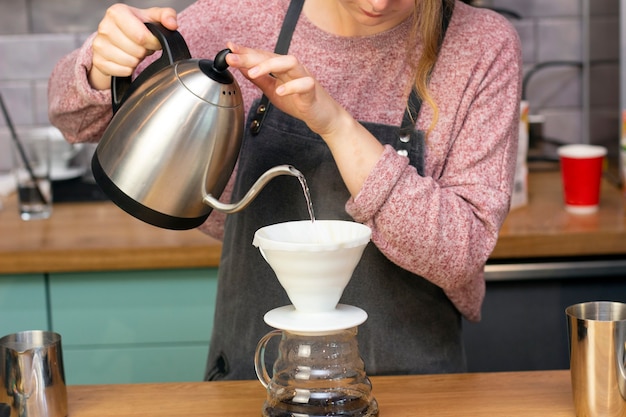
x=174, y=139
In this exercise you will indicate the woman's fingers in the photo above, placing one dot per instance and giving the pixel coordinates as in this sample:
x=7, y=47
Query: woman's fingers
x=301, y=86
x=258, y=63
x=123, y=39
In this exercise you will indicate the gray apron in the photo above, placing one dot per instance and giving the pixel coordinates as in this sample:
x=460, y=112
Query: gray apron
x=412, y=327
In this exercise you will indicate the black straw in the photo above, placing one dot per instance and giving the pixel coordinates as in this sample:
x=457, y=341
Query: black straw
x=20, y=149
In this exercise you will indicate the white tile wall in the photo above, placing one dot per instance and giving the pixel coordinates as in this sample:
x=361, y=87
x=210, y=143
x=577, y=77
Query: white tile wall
x=529, y=9
x=555, y=31
x=24, y=70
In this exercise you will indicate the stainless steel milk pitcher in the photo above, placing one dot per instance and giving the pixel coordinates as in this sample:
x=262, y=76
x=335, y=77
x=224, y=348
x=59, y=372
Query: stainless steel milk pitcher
x=597, y=334
x=32, y=377
x=174, y=139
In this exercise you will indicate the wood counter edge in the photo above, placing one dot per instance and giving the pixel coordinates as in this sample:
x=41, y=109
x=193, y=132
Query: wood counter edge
x=90, y=260
x=596, y=243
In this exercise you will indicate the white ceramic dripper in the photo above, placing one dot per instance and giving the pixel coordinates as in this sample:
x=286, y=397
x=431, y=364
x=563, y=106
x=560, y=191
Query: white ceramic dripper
x=313, y=261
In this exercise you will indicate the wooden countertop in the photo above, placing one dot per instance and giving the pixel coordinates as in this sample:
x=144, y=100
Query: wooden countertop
x=510, y=394
x=100, y=236
x=96, y=236
x=544, y=229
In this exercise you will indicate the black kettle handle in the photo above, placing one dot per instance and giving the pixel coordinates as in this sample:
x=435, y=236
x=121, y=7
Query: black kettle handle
x=174, y=49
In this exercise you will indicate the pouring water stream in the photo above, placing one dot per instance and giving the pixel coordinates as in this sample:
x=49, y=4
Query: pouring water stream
x=307, y=196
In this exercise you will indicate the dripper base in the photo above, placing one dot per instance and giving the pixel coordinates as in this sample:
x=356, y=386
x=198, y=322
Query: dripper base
x=342, y=317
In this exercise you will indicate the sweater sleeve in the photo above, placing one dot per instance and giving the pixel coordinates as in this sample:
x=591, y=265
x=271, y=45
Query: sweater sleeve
x=74, y=107
x=444, y=226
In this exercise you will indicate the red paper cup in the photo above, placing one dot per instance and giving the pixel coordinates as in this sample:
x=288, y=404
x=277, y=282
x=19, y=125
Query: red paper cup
x=581, y=172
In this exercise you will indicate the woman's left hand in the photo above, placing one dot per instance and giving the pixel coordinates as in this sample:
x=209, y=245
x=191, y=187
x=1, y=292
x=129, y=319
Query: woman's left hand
x=289, y=86
x=292, y=89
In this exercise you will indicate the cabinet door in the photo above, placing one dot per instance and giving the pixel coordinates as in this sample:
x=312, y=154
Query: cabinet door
x=120, y=364
x=141, y=326
x=524, y=326
x=23, y=304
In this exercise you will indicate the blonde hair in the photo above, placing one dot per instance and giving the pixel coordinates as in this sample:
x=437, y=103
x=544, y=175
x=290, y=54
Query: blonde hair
x=428, y=17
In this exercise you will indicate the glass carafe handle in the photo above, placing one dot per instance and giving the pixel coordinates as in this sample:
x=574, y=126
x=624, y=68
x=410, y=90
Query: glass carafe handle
x=259, y=357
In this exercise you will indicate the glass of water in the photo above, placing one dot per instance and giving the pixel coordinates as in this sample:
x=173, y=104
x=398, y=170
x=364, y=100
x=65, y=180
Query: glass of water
x=31, y=166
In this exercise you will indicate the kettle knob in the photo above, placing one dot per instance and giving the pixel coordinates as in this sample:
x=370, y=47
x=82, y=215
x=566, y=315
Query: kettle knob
x=219, y=63
x=217, y=70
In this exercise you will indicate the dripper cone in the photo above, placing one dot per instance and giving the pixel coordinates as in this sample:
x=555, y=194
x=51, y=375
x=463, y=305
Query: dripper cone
x=313, y=261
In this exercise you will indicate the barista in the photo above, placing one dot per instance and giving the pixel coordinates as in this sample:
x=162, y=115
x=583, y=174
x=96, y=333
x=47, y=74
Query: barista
x=392, y=124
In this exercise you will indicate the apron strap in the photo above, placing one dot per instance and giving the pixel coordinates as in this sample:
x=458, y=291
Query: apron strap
x=415, y=101
x=282, y=47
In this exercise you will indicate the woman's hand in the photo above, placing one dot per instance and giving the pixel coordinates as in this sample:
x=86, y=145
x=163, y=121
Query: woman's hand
x=123, y=41
x=291, y=88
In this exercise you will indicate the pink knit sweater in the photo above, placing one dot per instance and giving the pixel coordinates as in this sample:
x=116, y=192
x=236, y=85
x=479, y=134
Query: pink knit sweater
x=442, y=226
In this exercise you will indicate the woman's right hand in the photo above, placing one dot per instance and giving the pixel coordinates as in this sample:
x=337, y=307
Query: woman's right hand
x=123, y=41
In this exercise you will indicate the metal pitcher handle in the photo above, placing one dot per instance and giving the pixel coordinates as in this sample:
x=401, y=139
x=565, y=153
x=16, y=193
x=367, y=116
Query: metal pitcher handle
x=259, y=357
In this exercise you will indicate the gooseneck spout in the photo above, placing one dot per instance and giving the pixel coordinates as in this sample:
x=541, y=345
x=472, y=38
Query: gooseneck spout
x=253, y=191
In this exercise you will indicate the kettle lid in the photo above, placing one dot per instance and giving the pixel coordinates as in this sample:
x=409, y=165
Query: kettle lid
x=210, y=80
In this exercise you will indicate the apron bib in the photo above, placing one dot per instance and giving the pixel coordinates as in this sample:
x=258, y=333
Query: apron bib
x=412, y=327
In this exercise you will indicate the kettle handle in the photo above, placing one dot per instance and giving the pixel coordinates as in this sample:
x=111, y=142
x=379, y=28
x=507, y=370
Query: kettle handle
x=174, y=49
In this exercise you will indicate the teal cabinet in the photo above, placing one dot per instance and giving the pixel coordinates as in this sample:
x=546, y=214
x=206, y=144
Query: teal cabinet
x=23, y=303
x=133, y=326
x=134, y=363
